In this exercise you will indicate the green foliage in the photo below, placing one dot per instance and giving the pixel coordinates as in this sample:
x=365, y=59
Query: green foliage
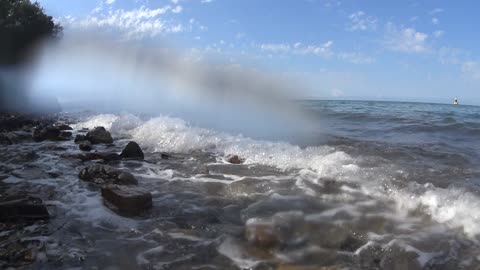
x=22, y=23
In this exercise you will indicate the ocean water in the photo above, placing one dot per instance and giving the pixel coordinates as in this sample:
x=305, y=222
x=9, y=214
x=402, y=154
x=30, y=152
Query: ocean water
x=376, y=185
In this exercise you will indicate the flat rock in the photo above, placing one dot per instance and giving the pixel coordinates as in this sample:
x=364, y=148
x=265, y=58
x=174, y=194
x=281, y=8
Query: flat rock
x=102, y=174
x=99, y=135
x=23, y=208
x=132, y=151
x=127, y=199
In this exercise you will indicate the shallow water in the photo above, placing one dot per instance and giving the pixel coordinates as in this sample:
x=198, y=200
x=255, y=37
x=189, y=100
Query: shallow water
x=379, y=185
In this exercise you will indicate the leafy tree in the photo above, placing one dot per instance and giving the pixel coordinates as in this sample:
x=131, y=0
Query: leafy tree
x=22, y=23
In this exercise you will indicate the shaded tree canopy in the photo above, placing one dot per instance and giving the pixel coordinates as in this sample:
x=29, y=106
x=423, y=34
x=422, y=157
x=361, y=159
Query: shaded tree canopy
x=22, y=23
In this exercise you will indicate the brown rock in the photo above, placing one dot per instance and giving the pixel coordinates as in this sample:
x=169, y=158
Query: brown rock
x=127, y=199
x=261, y=233
x=234, y=159
x=101, y=174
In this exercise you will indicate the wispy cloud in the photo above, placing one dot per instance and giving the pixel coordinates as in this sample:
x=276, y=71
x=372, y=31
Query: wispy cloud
x=130, y=24
x=360, y=21
x=436, y=10
x=177, y=9
x=472, y=70
x=324, y=50
x=438, y=33
x=405, y=40
x=206, y=1
x=435, y=21
x=355, y=58
x=275, y=48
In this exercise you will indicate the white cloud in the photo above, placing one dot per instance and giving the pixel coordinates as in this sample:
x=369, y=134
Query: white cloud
x=206, y=1
x=406, y=40
x=435, y=21
x=355, y=58
x=132, y=24
x=360, y=21
x=323, y=50
x=175, y=1
x=436, y=10
x=275, y=48
x=177, y=9
x=472, y=70
x=438, y=33
x=109, y=2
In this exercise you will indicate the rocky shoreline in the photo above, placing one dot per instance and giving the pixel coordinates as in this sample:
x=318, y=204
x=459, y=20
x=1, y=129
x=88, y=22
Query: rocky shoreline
x=71, y=196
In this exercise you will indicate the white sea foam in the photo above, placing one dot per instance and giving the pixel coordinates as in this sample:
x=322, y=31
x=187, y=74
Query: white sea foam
x=454, y=207
x=104, y=120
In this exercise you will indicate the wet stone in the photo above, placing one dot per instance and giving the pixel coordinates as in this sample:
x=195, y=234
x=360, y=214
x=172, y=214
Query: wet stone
x=132, y=151
x=23, y=208
x=46, y=133
x=96, y=156
x=85, y=146
x=64, y=127
x=127, y=199
x=102, y=174
x=80, y=138
x=65, y=134
x=99, y=135
x=398, y=258
x=284, y=228
x=234, y=159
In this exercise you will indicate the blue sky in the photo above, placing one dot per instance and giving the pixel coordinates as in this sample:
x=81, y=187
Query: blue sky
x=387, y=50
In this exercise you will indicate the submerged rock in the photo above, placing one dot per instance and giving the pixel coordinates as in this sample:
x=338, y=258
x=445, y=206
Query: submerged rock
x=284, y=228
x=87, y=146
x=80, y=138
x=261, y=233
x=102, y=174
x=99, y=135
x=106, y=156
x=127, y=199
x=132, y=151
x=234, y=159
x=23, y=208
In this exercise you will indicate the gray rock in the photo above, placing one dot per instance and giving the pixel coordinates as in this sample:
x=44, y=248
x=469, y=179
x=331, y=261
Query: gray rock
x=99, y=135
x=127, y=199
x=64, y=127
x=80, y=138
x=86, y=146
x=132, y=151
x=102, y=174
x=46, y=133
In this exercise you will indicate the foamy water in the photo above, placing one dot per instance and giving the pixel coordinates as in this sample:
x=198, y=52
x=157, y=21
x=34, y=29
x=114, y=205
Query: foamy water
x=455, y=207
